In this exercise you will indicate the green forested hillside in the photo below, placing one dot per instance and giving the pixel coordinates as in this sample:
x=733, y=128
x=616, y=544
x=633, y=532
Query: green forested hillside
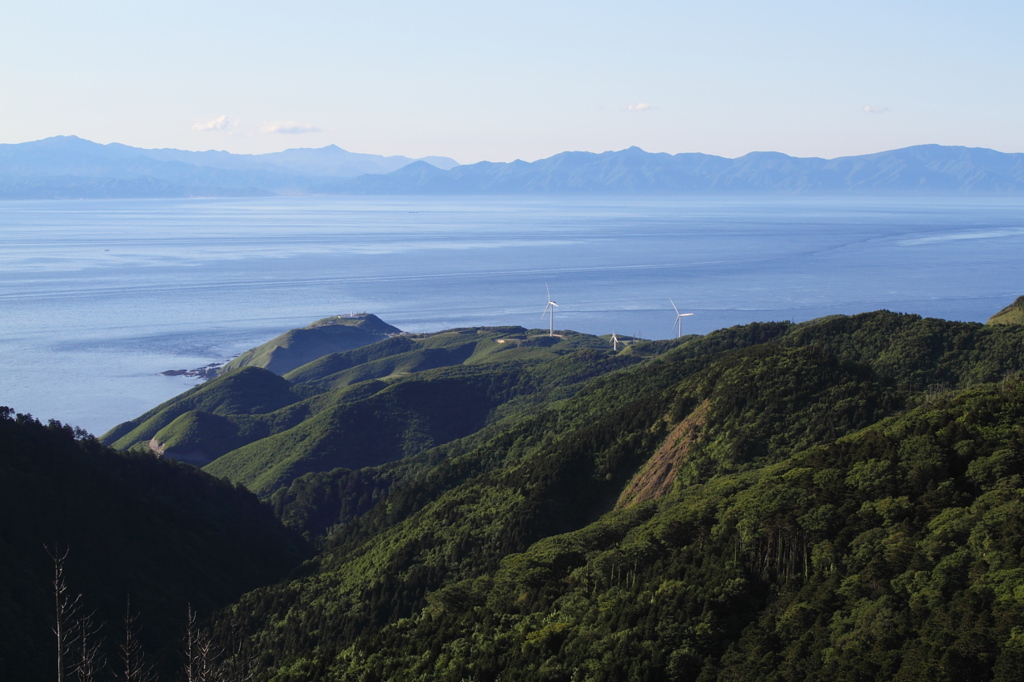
x=836, y=499
x=840, y=499
x=162, y=534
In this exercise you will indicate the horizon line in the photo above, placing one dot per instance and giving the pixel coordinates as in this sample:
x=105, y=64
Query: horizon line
x=520, y=160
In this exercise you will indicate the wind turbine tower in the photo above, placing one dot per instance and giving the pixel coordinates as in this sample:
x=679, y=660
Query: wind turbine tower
x=615, y=341
x=549, y=310
x=678, y=326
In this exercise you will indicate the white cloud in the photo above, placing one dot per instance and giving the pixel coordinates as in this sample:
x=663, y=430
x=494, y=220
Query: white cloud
x=868, y=109
x=289, y=128
x=219, y=123
x=639, y=106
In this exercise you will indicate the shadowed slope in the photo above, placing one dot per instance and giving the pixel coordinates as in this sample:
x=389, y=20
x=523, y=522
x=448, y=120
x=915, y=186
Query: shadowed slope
x=163, y=533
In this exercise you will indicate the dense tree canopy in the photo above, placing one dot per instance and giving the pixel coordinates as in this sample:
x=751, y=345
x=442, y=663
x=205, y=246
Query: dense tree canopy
x=834, y=500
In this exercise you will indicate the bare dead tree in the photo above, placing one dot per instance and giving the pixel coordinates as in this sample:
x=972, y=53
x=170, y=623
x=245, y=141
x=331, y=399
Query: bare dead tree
x=66, y=609
x=208, y=669
x=200, y=654
x=89, y=660
x=133, y=660
x=78, y=639
x=235, y=662
x=191, y=647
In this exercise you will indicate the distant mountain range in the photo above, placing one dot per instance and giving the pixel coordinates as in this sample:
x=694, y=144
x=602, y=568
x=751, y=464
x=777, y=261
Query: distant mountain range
x=70, y=167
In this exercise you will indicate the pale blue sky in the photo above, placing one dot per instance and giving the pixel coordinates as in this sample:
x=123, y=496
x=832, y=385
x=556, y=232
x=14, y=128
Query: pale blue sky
x=515, y=79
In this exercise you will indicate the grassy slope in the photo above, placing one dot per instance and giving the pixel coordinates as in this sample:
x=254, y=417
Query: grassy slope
x=244, y=392
x=296, y=347
x=365, y=406
x=449, y=386
x=1011, y=314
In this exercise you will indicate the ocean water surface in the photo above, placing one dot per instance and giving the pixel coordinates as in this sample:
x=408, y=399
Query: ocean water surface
x=98, y=297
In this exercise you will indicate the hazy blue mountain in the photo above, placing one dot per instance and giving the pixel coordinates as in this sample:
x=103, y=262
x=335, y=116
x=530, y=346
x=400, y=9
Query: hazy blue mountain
x=927, y=169
x=330, y=161
x=69, y=167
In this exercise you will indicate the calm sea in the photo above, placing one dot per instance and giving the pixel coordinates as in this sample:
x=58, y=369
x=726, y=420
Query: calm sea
x=98, y=297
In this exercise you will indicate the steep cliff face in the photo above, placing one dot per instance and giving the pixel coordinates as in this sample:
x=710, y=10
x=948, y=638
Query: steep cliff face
x=657, y=477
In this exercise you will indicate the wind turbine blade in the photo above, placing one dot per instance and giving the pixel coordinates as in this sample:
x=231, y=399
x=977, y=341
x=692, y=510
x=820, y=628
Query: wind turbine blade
x=548, y=290
x=684, y=314
x=674, y=306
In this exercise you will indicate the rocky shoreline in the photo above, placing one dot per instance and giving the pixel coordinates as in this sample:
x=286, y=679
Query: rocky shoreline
x=207, y=372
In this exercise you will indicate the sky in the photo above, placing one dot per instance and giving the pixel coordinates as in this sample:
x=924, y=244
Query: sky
x=502, y=80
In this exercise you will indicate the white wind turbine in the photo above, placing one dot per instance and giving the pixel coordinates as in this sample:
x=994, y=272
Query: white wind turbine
x=615, y=341
x=549, y=310
x=678, y=326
